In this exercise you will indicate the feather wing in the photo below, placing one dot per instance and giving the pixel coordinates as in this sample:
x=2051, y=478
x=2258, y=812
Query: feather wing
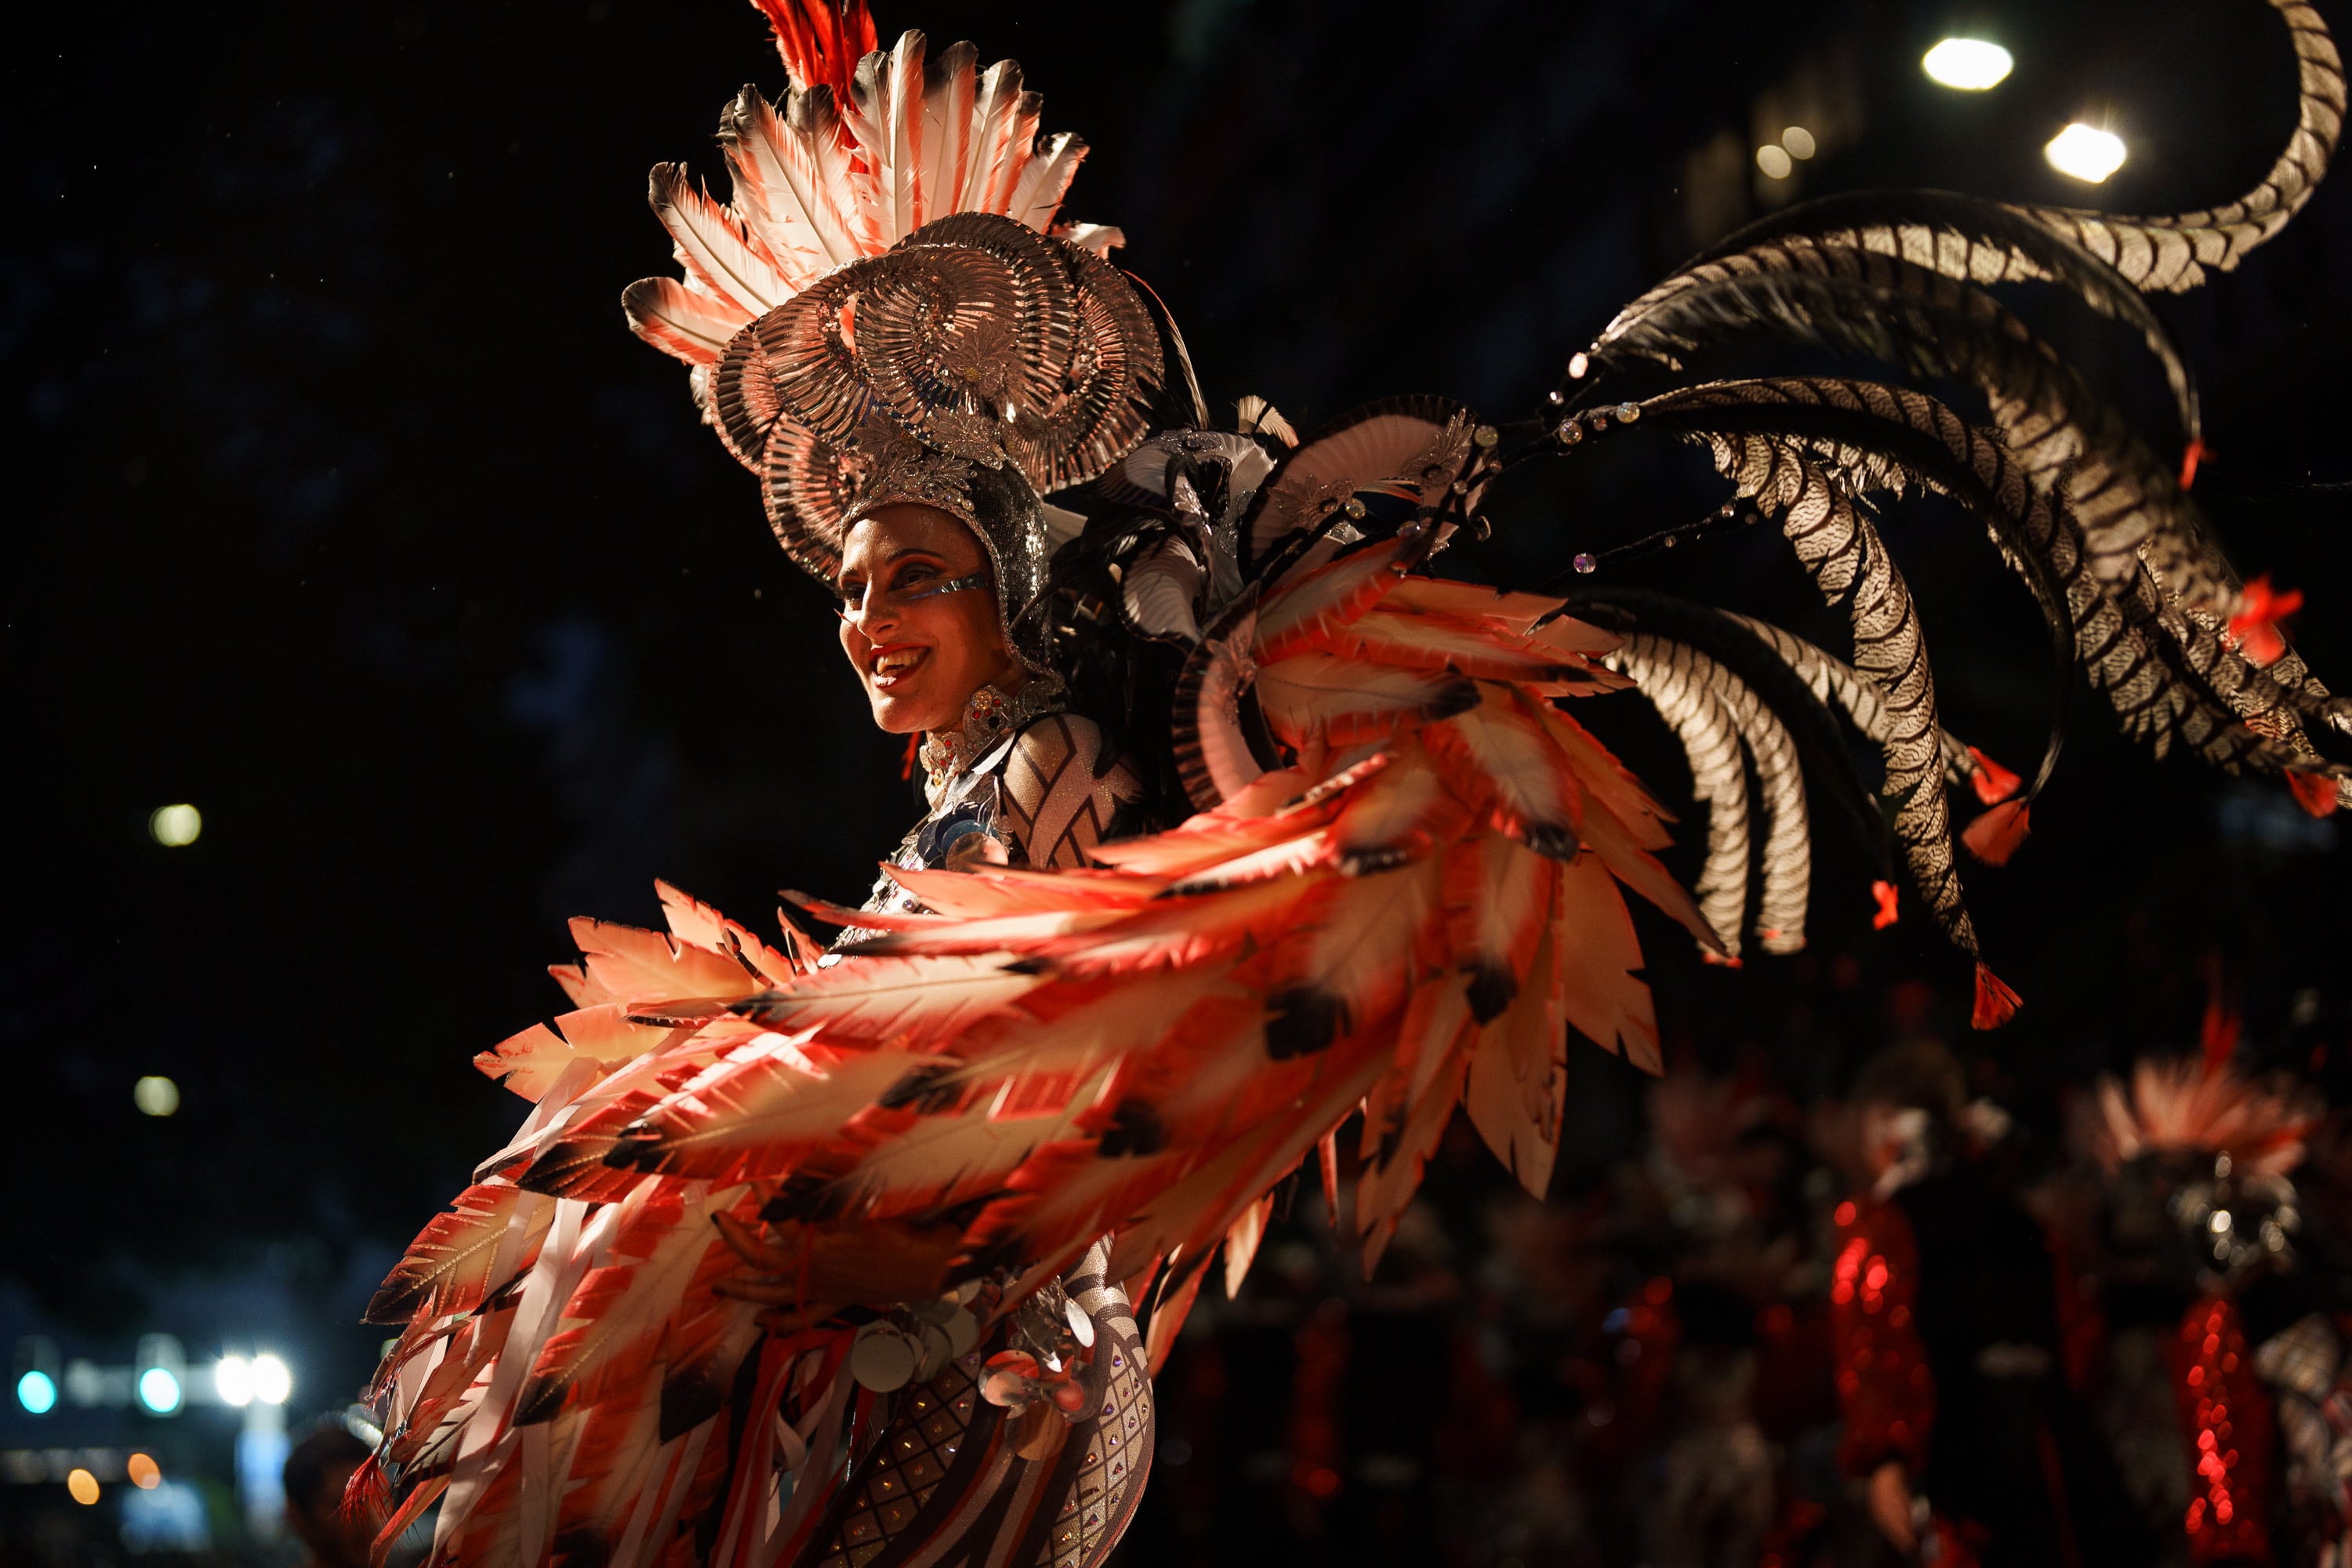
x=1142, y=1049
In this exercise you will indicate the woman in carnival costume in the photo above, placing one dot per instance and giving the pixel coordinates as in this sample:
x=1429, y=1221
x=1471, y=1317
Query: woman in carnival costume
x=864, y=1253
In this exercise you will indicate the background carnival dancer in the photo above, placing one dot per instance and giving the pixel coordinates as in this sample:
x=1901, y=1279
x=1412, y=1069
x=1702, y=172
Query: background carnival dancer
x=865, y=1255
x=1949, y=1309
x=2199, y=1155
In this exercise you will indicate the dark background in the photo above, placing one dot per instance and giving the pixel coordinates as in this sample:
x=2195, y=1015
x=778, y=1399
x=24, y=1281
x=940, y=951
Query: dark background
x=341, y=504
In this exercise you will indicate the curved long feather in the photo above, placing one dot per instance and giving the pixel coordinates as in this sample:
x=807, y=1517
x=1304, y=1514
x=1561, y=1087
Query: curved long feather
x=1957, y=236
x=2167, y=671
x=1840, y=549
x=2131, y=506
x=1721, y=719
x=1837, y=684
x=1681, y=684
x=681, y=322
x=2172, y=253
x=950, y=91
x=1787, y=676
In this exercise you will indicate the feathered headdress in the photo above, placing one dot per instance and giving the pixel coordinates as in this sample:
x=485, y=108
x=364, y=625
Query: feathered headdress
x=888, y=268
x=2201, y=1106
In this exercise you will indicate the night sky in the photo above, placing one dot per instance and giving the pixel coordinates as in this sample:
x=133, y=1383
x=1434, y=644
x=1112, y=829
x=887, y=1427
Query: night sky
x=343, y=505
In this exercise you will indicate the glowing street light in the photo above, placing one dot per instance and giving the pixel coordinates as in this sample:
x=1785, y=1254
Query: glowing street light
x=2085, y=152
x=155, y=1095
x=1966, y=65
x=273, y=1384
x=175, y=826
x=232, y=1380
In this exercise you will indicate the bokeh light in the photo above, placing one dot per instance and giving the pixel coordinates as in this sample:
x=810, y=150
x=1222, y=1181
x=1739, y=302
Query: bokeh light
x=232, y=1380
x=1966, y=65
x=155, y=1095
x=176, y=826
x=1774, y=160
x=158, y=1390
x=1799, y=142
x=2086, y=152
x=83, y=1487
x=144, y=1472
x=38, y=1392
x=273, y=1384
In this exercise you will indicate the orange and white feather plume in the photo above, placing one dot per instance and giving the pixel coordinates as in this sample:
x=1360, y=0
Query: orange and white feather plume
x=2201, y=1106
x=866, y=147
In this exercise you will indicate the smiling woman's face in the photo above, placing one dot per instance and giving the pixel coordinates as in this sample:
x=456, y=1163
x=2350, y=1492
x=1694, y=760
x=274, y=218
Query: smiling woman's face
x=921, y=654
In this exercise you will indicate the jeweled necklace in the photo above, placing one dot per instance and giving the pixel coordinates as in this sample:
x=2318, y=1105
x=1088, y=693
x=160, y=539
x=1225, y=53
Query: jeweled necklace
x=989, y=715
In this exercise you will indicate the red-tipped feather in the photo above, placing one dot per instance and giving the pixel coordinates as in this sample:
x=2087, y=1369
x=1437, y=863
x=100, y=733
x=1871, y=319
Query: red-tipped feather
x=1996, y=1003
x=2315, y=793
x=2255, y=625
x=1994, y=837
x=426, y=1494
x=367, y=1496
x=1312, y=610
x=447, y=1267
x=1887, y=914
x=821, y=40
x=2197, y=453
x=1994, y=783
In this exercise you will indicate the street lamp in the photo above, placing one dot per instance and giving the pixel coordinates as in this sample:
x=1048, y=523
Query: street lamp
x=1966, y=65
x=273, y=1384
x=232, y=1380
x=2085, y=152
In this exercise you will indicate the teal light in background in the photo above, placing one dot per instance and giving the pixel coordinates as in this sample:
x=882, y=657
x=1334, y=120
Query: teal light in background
x=159, y=1391
x=38, y=1392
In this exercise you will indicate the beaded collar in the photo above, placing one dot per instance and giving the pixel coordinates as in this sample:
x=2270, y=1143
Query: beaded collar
x=988, y=718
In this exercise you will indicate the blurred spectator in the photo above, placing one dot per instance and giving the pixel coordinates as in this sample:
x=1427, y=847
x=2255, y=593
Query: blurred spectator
x=317, y=1471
